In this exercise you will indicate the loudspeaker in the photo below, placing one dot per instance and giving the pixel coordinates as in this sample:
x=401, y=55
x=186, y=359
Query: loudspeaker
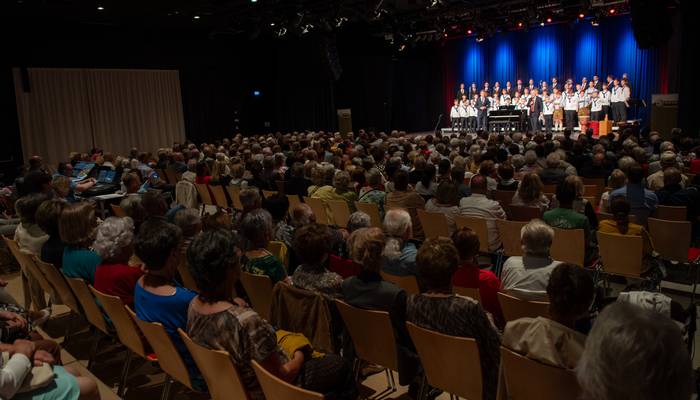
x=651, y=23
x=344, y=121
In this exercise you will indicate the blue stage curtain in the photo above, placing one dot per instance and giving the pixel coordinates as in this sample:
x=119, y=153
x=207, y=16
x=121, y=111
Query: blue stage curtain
x=566, y=51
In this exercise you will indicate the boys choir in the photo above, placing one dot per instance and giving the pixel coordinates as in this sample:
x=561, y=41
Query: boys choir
x=549, y=106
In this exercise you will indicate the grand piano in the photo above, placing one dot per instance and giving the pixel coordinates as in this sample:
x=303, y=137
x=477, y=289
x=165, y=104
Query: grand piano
x=507, y=118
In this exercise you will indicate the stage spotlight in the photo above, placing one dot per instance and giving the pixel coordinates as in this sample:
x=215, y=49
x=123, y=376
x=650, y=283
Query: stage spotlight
x=253, y=1
x=272, y=24
x=549, y=20
x=281, y=32
x=479, y=39
x=402, y=47
x=582, y=16
x=196, y=17
x=306, y=28
x=594, y=22
x=541, y=23
x=520, y=24
x=100, y=8
x=469, y=32
x=612, y=11
x=340, y=21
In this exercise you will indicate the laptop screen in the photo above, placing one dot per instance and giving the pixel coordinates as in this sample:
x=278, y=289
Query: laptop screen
x=106, y=176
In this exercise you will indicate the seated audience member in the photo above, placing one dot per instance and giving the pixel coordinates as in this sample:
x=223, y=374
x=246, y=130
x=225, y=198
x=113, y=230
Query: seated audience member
x=527, y=276
x=633, y=353
x=131, y=183
x=77, y=229
x=620, y=210
x=219, y=220
x=617, y=180
x=407, y=199
x=582, y=205
x=26, y=362
x=343, y=190
x=358, y=220
x=297, y=183
x=596, y=168
x=29, y=236
x=302, y=214
x=426, y=186
x=373, y=193
x=553, y=174
x=278, y=206
x=446, y=202
x=529, y=193
x=642, y=201
x=203, y=174
x=47, y=216
x=457, y=176
x=154, y=205
x=216, y=320
x=506, y=173
x=565, y=217
x=114, y=243
x=399, y=253
x=61, y=186
x=133, y=208
x=439, y=310
x=554, y=340
x=673, y=192
x=656, y=180
x=156, y=296
x=478, y=205
x=312, y=245
x=469, y=275
x=250, y=200
x=256, y=229
x=190, y=223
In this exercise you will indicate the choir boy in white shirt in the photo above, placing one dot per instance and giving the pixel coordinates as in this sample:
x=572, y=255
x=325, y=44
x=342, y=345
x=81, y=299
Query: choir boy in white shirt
x=618, y=102
x=548, y=112
x=596, y=107
x=472, y=113
x=463, y=114
x=604, y=98
x=505, y=97
x=570, y=109
x=455, y=117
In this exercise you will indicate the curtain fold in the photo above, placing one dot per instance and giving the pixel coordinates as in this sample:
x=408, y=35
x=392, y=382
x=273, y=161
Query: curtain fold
x=67, y=110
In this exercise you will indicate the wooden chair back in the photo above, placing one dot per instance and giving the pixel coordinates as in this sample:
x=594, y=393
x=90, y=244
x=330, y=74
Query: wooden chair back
x=599, y=182
x=279, y=250
x=569, y=246
x=549, y=189
x=117, y=211
x=234, y=194
x=92, y=311
x=340, y=211
x=372, y=334
x=204, y=196
x=503, y=197
x=319, y=209
x=27, y=264
x=219, y=195
x=185, y=275
x=275, y=388
x=269, y=193
x=593, y=191
x=172, y=176
x=168, y=357
x=56, y=279
x=553, y=383
x=468, y=292
x=523, y=213
x=451, y=363
x=407, y=283
x=259, y=291
x=510, y=236
x=479, y=226
x=127, y=331
x=602, y=216
x=621, y=254
x=515, y=308
x=671, y=238
x=434, y=224
x=671, y=213
x=372, y=210
x=293, y=202
x=218, y=370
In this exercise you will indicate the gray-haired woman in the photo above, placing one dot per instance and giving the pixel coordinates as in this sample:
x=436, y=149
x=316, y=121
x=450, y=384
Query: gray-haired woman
x=114, y=243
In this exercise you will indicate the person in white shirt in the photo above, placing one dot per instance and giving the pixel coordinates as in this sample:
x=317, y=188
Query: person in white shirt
x=454, y=116
x=596, y=106
x=505, y=97
x=558, y=116
x=472, y=114
x=590, y=89
x=618, y=102
x=478, y=205
x=604, y=97
x=548, y=112
x=463, y=115
x=526, y=277
x=570, y=109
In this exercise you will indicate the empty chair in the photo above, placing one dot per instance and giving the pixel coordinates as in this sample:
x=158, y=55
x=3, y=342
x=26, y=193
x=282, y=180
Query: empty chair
x=275, y=388
x=407, y=283
x=479, y=226
x=168, y=357
x=234, y=194
x=372, y=210
x=671, y=238
x=468, y=292
x=204, y=195
x=504, y=197
x=671, y=213
x=527, y=379
x=127, y=332
x=434, y=224
x=523, y=213
x=217, y=369
x=510, y=236
x=372, y=336
x=117, y=211
x=340, y=211
x=29, y=270
x=259, y=290
x=569, y=245
x=515, y=308
x=621, y=254
x=319, y=209
x=219, y=195
x=451, y=364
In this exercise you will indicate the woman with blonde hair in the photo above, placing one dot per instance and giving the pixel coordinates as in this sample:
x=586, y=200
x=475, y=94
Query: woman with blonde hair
x=76, y=226
x=617, y=180
x=530, y=193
